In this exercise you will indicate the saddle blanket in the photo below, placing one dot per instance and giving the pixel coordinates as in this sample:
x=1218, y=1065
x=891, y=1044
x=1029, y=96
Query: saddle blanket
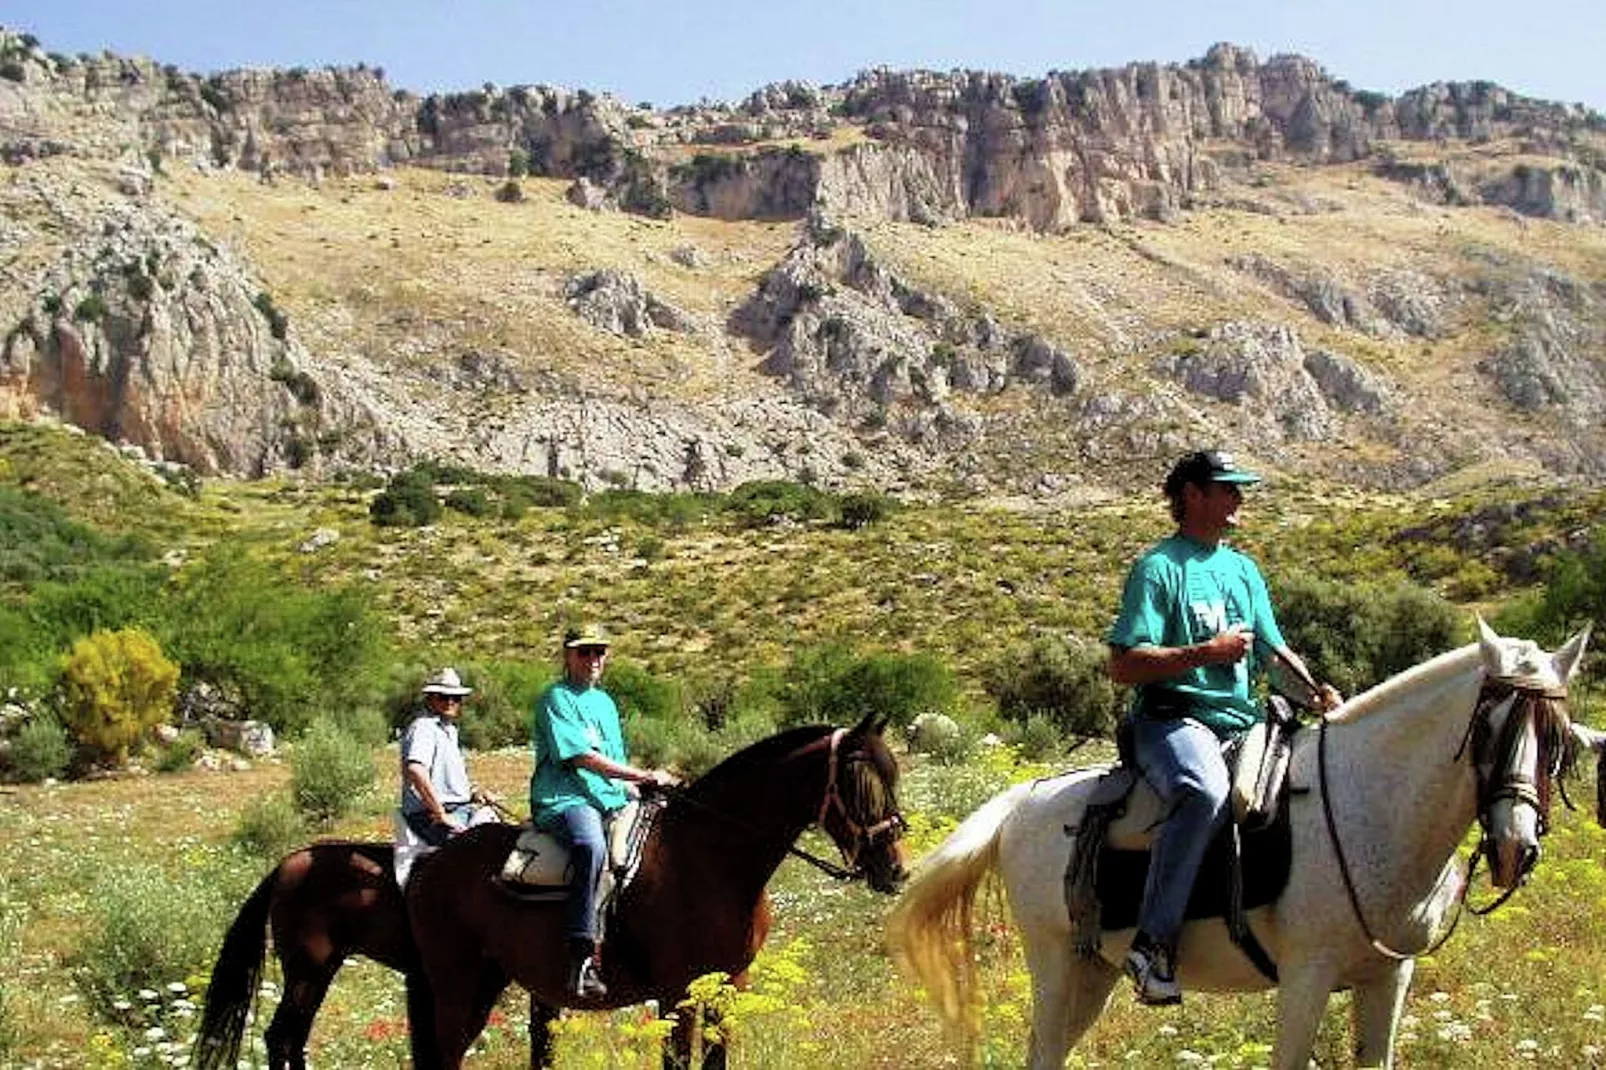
x=541, y=860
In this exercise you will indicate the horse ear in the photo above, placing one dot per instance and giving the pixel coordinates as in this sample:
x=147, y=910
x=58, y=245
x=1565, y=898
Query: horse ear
x=1568, y=657
x=1494, y=658
x=873, y=723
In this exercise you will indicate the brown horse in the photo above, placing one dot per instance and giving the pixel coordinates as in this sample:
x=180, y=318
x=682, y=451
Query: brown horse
x=324, y=902
x=696, y=905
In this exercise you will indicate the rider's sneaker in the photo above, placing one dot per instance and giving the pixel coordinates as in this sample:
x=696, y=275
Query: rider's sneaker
x=1153, y=972
x=585, y=974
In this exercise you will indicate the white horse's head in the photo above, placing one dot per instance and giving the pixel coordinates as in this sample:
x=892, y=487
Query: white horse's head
x=1521, y=737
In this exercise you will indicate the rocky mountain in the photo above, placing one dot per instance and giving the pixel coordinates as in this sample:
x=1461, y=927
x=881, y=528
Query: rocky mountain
x=913, y=280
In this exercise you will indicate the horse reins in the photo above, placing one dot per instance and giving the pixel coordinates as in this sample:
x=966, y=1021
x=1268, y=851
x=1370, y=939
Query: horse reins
x=1522, y=790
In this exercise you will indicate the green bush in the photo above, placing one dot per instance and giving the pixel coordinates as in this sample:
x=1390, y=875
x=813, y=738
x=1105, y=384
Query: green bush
x=470, y=500
x=289, y=652
x=40, y=751
x=270, y=827
x=768, y=501
x=1358, y=635
x=116, y=687
x=1574, y=594
x=180, y=754
x=831, y=683
x=862, y=509
x=498, y=713
x=1065, y=679
x=407, y=501
x=148, y=929
x=330, y=772
x=639, y=693
x=1037, y=737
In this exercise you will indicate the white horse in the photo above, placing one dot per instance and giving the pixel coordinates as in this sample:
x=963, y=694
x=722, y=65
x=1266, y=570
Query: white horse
x=1476, y=734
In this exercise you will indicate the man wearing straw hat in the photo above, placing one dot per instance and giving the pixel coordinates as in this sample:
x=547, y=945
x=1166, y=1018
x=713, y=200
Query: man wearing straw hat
x=437, y=799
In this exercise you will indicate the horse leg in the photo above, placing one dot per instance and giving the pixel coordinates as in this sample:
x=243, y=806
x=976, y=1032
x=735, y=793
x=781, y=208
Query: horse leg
x=678, y=1045
x=1301, y=999
x=542, y=1015
x=305, y=984
x=1068, y=995
x=1376, y=1014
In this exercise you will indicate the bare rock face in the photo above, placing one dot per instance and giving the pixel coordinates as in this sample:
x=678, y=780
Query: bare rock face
x=1553, y=360
x=615, y=301
x=1266, y=364
x=146, y=333
x=856, y=341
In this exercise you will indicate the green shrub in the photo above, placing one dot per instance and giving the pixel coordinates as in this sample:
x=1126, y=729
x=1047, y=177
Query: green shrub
x=498, y=713
x=1358, y=635
x=91, y=309
x=407, y=501
x=470, y=500
x=831, y=683
x=270, y=827
x=768, y=501
x=180, y=754
x=1037, y=737
x=116, y=687
x=862, y=509
x=287, y=651
x=639, y=693
x=278, y=322
x=40, y=751
x=147, y=929
x=1062, y=678
x=330, y=772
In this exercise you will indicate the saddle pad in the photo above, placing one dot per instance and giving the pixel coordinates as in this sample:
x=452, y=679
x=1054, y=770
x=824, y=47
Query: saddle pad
x=1267, y=854
x=540, y=859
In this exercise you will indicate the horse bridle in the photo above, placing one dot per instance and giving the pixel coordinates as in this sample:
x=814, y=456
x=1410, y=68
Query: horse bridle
x=865, y=837
x=1525, y=698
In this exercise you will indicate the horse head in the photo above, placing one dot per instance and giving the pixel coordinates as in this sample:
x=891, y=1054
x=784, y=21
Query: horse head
x=1522, y=743
x=860, y=808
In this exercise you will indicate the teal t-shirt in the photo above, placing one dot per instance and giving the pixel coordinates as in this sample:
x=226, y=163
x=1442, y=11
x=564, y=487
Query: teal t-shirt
x=1182, y=592
x=568, y=723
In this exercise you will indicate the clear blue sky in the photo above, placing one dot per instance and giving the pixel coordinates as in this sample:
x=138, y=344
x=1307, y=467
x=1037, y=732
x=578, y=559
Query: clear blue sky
x=679, y=51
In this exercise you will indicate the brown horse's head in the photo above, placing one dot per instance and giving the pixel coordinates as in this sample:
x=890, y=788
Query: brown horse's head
x=860, y=809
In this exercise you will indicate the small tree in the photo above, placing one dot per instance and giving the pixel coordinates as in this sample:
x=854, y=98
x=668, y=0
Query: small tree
x=330, y=772
x=116, y=686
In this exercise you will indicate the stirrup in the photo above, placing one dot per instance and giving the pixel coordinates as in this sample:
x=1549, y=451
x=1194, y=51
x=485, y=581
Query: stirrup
x=1153, y=975
x=586, y=982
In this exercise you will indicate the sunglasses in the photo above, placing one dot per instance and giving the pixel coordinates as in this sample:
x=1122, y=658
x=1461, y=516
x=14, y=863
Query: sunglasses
x=591, y=651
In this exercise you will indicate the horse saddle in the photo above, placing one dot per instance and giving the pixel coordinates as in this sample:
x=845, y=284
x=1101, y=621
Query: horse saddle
x=539, y=861
x=1246, y=865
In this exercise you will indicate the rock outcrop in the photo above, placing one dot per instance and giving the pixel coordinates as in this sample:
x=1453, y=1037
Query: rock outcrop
x=145, y=332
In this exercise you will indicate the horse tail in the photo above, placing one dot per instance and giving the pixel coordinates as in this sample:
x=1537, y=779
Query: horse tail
x=234, y=982
x=929, y=931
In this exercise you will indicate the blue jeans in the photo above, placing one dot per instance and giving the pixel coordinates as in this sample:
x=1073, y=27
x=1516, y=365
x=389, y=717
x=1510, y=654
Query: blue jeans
x=1181, y=759
x=580, y=827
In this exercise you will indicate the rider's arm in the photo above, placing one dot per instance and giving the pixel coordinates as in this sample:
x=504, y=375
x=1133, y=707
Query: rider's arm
x=418, y=777
x=1149, y=664
x=605, y=766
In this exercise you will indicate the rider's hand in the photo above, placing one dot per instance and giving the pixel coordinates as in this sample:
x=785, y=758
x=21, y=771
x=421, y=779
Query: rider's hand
x=1231, y=645
x=658, y=779
x=481, y=797
x=1329, y=698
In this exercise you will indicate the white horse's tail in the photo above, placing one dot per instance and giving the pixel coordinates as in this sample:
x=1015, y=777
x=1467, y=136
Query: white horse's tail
x=929, y=931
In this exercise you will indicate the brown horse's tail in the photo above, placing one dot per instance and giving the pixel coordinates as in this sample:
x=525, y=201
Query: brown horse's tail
x=930, y=930
x=234, y=982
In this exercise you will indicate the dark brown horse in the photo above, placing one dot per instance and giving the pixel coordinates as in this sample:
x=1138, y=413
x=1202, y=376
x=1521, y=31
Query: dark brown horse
x=696, y=905
x=323, y=902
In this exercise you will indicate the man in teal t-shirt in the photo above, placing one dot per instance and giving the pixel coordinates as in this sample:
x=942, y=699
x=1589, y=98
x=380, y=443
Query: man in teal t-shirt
x=579, y=778
x=1194, y=613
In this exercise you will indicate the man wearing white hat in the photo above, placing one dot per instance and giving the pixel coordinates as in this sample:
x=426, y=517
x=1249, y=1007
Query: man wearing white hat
x=437, y=798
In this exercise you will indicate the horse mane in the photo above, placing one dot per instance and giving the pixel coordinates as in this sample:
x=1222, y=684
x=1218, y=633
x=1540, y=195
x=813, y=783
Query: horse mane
x=1432, y=672
x=766, y=752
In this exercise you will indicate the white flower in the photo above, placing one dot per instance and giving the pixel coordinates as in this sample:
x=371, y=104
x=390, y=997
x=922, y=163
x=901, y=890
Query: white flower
x=155, y=1032
x=178, y=988
x=148, y=994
